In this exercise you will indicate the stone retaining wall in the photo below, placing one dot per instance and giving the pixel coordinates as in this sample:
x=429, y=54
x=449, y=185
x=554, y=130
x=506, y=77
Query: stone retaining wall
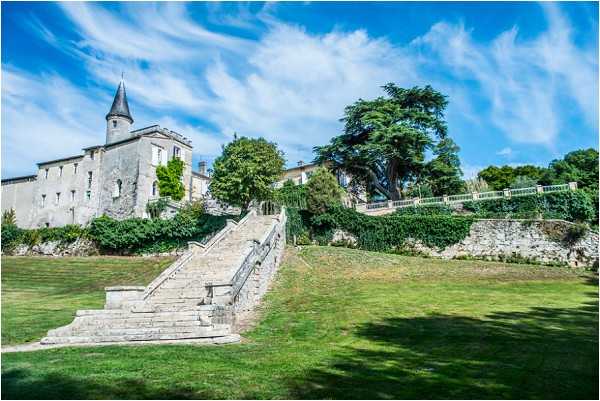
x=543, y=241
x=80, y=247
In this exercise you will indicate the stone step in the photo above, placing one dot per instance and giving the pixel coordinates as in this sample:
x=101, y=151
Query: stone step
x=92, y=338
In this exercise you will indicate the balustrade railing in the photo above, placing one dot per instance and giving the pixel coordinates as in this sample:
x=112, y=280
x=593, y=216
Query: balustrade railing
x=459, y=198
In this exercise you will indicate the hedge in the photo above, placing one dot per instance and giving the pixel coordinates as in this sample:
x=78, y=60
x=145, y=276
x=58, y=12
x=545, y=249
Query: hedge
x=384, y=233
x=575, y=206
x=12, y=236
x=135, y=235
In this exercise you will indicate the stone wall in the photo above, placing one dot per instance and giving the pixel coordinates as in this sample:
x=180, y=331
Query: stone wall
x=80, y=247
x=269, y=253
x=543, y=241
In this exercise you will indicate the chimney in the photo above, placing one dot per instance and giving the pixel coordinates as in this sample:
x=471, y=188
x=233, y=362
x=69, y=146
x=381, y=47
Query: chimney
x=202, y=167
x=300, y=163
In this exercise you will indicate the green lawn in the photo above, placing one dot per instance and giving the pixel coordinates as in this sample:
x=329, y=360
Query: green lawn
x=345, y=323
x=39, y=294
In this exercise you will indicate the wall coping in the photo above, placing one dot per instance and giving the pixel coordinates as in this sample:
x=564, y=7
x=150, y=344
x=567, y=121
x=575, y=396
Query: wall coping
x=125, y=288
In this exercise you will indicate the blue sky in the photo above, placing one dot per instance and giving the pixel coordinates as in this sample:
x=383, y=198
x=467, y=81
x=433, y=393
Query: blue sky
x=521, y=78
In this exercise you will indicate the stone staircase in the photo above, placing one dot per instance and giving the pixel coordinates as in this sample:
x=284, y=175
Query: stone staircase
x=202, y=295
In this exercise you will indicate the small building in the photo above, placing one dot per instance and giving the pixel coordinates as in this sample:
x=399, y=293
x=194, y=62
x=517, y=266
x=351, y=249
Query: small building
x=303, y=171
x=117, y=178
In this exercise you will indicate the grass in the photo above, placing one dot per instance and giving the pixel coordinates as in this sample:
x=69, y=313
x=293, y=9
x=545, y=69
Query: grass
x=39, y=294
x=345, y=323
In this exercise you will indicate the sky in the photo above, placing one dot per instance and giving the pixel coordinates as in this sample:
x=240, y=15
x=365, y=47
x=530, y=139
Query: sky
x=521, y=78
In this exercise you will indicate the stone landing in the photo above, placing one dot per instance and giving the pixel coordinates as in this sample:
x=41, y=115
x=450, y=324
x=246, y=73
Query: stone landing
x=203, y=295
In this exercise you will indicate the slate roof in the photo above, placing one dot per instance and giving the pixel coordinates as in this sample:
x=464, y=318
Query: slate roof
x=120, y=107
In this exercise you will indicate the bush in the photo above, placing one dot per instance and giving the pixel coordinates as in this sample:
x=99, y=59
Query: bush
x=155, y=208
x=426, y=210
x=384, y=233
x=11, y=237
x=322, y=191
x=291, y=195
x=571, y=206
x=137, y=235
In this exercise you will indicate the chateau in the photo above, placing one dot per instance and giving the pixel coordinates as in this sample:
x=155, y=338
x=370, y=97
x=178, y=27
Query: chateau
x=117, y=178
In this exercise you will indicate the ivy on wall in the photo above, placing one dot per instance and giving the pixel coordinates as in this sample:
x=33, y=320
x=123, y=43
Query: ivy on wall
x=380, y=233
x=575, y=206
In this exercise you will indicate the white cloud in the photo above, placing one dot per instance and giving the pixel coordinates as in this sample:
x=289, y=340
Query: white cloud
x=289, y=85
x=524, y=80
x=44, y=118
x=505, y=152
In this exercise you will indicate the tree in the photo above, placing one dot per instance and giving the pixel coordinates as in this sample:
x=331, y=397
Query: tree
x=322, y=191
x=384, y=141
x=580, y=166
x=169, y=179
x=499, y=178
x=443, y=172
x=523, y=181
x=246, y=171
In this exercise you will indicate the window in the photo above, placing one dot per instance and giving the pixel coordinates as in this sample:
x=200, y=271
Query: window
x=88, y=195
x=159, y=154
x=176, y=152
x=43, y=200
x=46, y=171
x=90, y=174
x=72, y=195
x=92, y=155
x=154, y=188
x=117, y=189
x=60, y=169
x=57, y=198
x=75, y=168
x=114, y=123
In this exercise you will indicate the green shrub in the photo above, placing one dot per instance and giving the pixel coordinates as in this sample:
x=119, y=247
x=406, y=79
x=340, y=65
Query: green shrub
x=155, y=208
x=137, y=235
x=291, y=195
x=322, y=191
x=427, y=210
x=296, y=225
x=9, y=217
x=11, y=237
x=570, y=206
x=384, y=233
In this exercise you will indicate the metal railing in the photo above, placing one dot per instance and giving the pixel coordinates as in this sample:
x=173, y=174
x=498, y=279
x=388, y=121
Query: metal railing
x=460, y=198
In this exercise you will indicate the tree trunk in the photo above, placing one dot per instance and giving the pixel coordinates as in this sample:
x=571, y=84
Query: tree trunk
x=392, y=176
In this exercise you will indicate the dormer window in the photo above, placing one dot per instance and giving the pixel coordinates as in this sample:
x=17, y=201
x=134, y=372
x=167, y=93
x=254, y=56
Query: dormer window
x=114, y=122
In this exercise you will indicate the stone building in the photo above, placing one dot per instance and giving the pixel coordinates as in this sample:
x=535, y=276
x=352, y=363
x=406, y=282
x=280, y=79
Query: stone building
x=117, y=178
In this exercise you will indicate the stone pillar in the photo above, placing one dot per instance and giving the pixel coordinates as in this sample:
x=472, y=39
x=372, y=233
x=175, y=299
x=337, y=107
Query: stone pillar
x=475, y=195
x=539, y=189
x=416, y=201
x=445, y=198
x=390, y=204
x=572, y=186
x=507, y=193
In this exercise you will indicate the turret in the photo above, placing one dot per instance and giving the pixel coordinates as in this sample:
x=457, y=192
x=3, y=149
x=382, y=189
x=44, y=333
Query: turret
x=118, y=119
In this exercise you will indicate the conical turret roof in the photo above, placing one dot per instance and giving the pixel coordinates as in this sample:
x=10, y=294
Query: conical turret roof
x=120, y=107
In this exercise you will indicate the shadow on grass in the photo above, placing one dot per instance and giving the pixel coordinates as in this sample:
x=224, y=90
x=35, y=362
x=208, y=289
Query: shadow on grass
x=20, y=384
x=542, y=353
